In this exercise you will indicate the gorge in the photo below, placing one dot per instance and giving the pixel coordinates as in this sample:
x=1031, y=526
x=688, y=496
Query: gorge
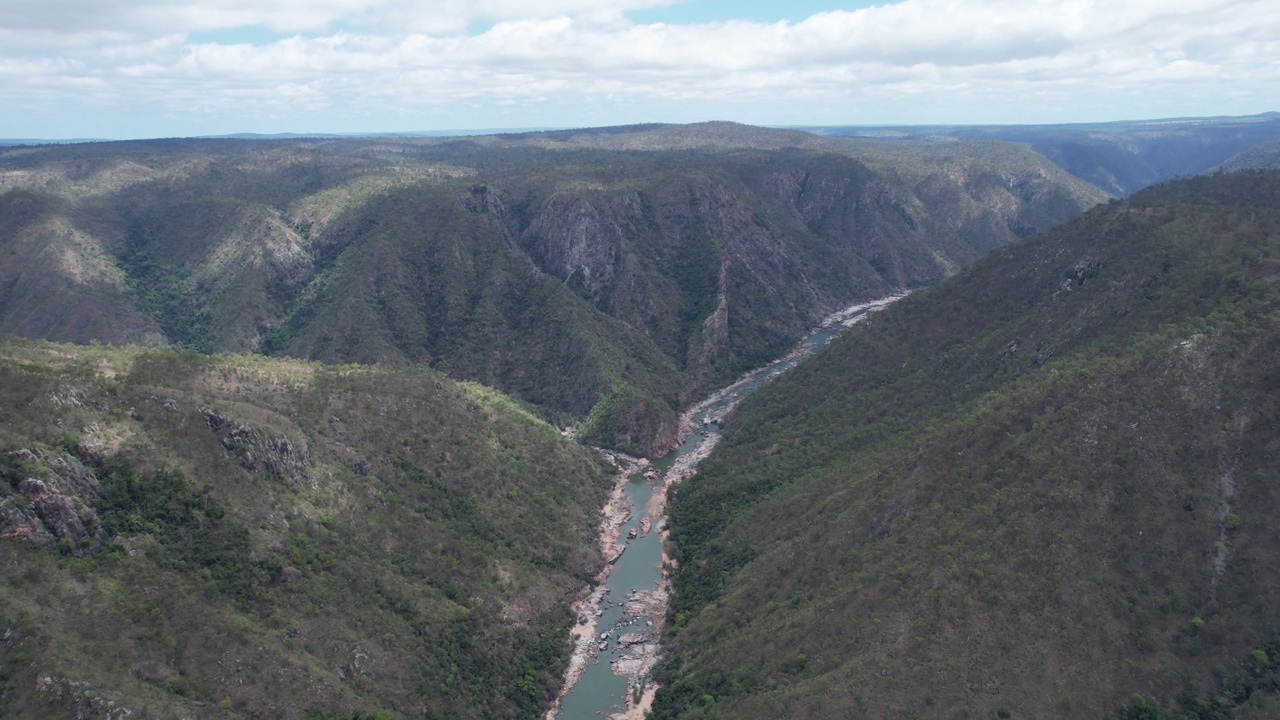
x=324, y=446
x=620, y=622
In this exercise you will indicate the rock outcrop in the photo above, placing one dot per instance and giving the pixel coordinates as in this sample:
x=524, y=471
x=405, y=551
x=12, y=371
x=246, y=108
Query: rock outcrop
x=262, y=451
x=52, y=499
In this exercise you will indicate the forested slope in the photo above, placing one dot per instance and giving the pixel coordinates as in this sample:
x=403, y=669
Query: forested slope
x=230, y=537
x=605, y=284
x=1037, y=490
x=1265, y=156
x=1120, y=157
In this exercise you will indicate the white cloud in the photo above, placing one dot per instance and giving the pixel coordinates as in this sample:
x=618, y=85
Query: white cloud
x=289, y=16
x=408, y=58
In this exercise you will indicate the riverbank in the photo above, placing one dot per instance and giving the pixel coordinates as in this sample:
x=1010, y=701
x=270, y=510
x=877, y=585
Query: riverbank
x=639, y=650
x=856, y=313
x=615, y=513
x=705, y=417
x=718, y=405
x=641, y=689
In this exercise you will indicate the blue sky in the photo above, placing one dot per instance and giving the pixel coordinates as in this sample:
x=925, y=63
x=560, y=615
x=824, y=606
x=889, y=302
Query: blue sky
x=703, y=11
x=159, y=68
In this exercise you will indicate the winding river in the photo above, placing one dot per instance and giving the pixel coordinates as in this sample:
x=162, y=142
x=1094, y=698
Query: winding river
x=620, y=622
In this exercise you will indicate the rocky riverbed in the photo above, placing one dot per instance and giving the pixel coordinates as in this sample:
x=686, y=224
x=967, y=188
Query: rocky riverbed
x=635, y=637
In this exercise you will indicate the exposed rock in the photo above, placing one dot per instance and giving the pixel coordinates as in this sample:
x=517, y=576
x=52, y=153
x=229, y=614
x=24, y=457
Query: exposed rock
x=62, y=516
x=24, y=455
x=54, y=506
x=630, y=639
x=572, y=240
x=261, y=451
x=71, y=477
x=18, y=525
x=637, y=662
x=78, y=697
x=480, y=201
x=646, y=603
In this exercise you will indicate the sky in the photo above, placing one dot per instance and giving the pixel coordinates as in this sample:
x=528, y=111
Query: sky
x=120, y=69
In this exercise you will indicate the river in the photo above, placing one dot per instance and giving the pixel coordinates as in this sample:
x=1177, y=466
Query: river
x=620, y=622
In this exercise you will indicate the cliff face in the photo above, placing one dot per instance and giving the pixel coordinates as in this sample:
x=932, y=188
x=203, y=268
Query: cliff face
x=570, y=239
x=566, y=276
x=56, y=507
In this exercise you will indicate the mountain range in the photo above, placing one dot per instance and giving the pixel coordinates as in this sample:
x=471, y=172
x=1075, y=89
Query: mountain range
x=606, y=286
x=295, y=427
x=1119, y=157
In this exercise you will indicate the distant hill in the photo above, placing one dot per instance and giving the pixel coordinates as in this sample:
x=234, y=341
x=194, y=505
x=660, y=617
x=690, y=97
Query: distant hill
x=402, y=134
x=33, y=141
x=606, y=276
x=1260, y=157
x=1119, y=157
x=1040, y=489
x=236, y=536
x=717, y=135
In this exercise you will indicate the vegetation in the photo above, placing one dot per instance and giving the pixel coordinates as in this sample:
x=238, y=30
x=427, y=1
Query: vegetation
x=231, y=536
x=1040, y=490
x=1119, y=157
x=603, y=284
x=1252, y=690
x=1264, y=156
x=1037, y=490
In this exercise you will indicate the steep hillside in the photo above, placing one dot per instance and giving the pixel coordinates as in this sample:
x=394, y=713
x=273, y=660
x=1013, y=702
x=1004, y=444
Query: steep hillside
x=719, y=134
x=1261, y=157
x=1036, y=490
x=604, y=285
x=235, y=537
x=1119, y=157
